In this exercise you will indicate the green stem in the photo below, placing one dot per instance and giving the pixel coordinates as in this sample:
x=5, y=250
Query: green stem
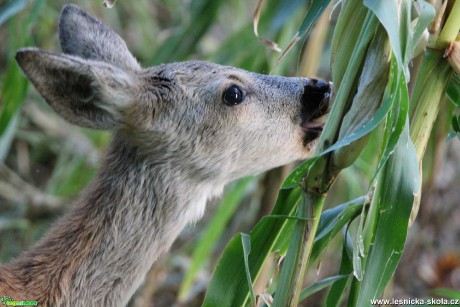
x=321, y=175
x=370, y=222
x=354, y=293
x=431, y=85
x=432, y=81
x=339, y=107
x=451, y=27
x=317, y=202
x=293, y=270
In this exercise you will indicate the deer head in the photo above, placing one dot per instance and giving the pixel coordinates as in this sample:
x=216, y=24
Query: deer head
x=216, y=122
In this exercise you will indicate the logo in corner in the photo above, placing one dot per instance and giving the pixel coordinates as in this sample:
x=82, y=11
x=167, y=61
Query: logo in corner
x=8, y=301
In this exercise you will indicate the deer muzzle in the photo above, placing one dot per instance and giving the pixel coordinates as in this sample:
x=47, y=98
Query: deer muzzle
x=315, y=106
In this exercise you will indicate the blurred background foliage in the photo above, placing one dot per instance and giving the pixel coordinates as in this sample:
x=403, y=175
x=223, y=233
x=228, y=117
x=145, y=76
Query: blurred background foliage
x=45, y=161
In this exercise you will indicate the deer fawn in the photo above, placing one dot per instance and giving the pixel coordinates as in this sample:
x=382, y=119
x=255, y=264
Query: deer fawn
x=181, y=131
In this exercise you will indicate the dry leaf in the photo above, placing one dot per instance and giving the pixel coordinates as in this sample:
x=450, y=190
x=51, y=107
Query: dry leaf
x=272, y=45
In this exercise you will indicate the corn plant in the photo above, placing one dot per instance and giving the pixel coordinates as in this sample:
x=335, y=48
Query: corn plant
x=373, y=45
x=375, y=113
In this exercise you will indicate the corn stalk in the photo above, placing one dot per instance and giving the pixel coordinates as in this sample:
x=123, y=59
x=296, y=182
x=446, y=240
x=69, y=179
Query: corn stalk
x=377, y=249
x=372, y=47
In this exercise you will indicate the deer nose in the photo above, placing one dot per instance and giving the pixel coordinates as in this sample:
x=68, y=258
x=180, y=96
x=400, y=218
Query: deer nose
x=318, y=86
x=315, y=98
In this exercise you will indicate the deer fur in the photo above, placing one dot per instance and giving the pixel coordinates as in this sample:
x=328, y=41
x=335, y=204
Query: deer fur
x=175, y=144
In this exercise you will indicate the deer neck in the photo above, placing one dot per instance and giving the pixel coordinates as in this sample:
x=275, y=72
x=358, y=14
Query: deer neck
x=100, y=252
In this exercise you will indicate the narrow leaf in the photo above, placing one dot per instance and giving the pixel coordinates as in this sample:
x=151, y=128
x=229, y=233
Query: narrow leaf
x=395, y=125
x=272, y=45
x=426, y=15
x=398, y=183
x=317, y=7
x=228, y=285
x=444, y=292
x=332, y=221
x=390, y=99
x=314, y=12
x=453, y=90
x=289, y=275
x=246, y=242
x=356, y=260
x=320, y=285
x=13, y=95
x=387, y=13
x=455, y=124
x=7, y=137
x=346, y=267
x=11, y=8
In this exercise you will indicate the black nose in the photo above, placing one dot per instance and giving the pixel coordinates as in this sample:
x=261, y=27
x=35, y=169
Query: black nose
x=315, y=98
x=319, y=86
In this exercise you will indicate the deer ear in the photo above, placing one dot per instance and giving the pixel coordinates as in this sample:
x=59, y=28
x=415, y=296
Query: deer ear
x=87, y=93
x=83, y=35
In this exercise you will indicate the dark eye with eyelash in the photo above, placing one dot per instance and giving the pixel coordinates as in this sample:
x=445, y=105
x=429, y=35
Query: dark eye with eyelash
x=232, y=96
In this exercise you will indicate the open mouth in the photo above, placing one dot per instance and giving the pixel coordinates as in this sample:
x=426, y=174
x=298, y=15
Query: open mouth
x=315, y=107
x=313, y=129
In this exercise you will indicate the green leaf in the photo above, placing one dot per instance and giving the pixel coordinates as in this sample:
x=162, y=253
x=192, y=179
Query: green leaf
x=358, y=249
x=456, y=123
x=70, y=174
x=403, y=39
x=8, y=136
x=398, y=183
x=183, y=43
x=387, y=13
x=346, y=267
x=351, y=16
x=13, y=223
x=452, y=134
x=390, y=99
x=453, y=90
x=228, y=285
x=455, y=128
x=426, y=15
x=444, y=292
x=357, y=263
x=451, y=27
x=213, y=232
x=346, y=89
x=246, y=242
x=279, y=12
x=11, y=8
x=294, y=178
x=405, y=31
x=13, y=95
x=290, y=270
x=332, y=221
x=315, y=10
x=15, y=86
x=320, y=285
x=397, y=93
x=277, y=16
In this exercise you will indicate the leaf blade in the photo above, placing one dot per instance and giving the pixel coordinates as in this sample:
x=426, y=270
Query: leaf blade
x=395, y=194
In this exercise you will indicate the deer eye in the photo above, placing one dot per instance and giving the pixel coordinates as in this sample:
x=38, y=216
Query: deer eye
x=232, y=96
